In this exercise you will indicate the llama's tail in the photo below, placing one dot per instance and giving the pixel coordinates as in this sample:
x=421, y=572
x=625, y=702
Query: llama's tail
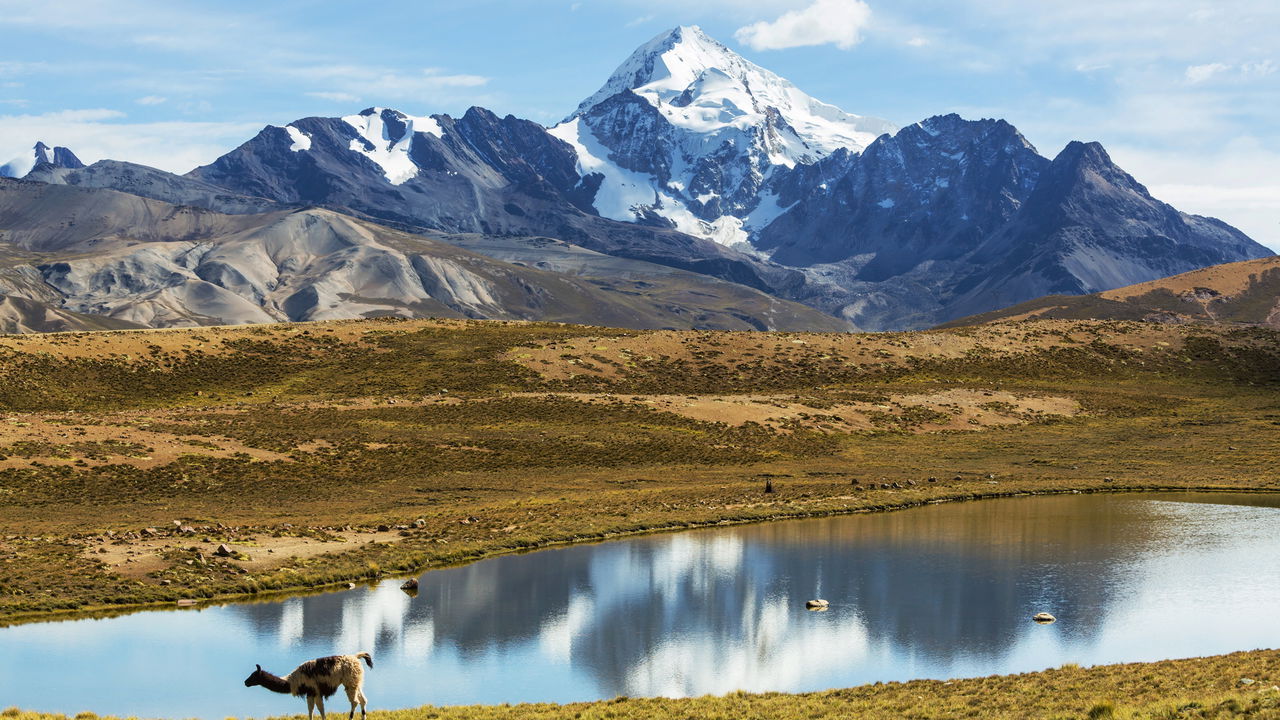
x=368, y=659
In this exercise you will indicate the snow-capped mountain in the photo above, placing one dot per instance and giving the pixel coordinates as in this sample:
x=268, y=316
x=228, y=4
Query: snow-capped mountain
x=40, y=156
x=478, y=173
x=693, y=158
x=689, y=134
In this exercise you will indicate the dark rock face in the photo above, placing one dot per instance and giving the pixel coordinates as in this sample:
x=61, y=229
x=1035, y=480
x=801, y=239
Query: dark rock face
x=953, y=217
x=478, y=174
x=932, y=192
x=148, y=182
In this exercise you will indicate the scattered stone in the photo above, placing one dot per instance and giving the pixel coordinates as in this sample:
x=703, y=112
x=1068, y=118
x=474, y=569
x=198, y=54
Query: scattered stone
x=419, y=523
x=768, y=486
x=911, y=483
x=186, y=530
x=186, y=602
x=384, y=528
x=1043, y=618
x=1107, y=479
x=1246, y=681
x=991, y=476
x=166, y=582
x=957, y=478
x=933, y=479
x=224, y=551
x=351, y=586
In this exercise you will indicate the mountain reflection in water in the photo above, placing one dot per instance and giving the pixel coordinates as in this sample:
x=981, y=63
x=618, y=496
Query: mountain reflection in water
x=942, y=591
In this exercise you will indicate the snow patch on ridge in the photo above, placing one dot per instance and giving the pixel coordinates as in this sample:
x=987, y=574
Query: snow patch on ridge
x=628, y=195
x=390, y=153
x=301, y=140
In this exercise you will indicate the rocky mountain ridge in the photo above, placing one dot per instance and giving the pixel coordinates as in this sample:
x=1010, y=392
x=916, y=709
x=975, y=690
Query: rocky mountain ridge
x=83, y=253
x=694, y=158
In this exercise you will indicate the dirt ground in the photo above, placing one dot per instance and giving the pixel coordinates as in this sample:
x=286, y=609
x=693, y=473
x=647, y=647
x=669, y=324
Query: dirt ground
x=965, y=409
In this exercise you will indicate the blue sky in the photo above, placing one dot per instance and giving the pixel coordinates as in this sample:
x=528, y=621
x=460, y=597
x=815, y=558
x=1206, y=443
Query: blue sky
x=1183, y=93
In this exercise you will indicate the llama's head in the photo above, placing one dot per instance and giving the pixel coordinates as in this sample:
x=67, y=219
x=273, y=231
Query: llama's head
x=256, y=678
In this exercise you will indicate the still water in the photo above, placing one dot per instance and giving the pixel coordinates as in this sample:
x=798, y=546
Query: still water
x=936, y=592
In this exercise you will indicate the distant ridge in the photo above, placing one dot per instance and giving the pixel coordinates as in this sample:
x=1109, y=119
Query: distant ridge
x=692, y=157
x=1246, y=292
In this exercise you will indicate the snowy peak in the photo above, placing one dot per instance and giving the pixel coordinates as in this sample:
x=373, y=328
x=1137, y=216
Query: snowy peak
x=689, y=134
x=385, y=136
x=40, y=154
x=700, y=85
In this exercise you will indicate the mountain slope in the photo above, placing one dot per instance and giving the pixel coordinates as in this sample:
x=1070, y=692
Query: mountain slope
x=688, y=134
x=952, y=217
x=474, y=174
x=148, y=263
x=1240, y=292
x=151, y=183
x=23, y=315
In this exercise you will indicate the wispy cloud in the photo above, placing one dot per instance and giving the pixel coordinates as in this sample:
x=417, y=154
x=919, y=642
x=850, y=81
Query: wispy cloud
x=339, y=97
x=151, y=100
x=1202, y=73
x=825, y=22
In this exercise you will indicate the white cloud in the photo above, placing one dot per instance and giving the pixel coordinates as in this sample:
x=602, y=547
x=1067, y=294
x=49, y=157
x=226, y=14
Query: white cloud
x=825, y=22
x=639, y=21
x=918, y=41
x=151, y=100
x=1201, y=73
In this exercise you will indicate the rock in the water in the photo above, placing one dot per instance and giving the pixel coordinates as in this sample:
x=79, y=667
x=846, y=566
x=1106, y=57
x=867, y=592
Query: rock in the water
x=1043, y=617
x=410, y=584
x=818, y=604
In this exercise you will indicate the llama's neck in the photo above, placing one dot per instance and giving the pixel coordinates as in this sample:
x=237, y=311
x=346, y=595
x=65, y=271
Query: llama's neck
x=275, y=683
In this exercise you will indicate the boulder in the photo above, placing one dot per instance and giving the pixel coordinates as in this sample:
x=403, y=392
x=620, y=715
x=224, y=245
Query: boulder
x=410, y=584
x=817, y=604
x=224, y=551
x=1043, y=618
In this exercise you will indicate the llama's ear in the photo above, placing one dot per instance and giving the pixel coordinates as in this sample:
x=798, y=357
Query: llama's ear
x=259, y=667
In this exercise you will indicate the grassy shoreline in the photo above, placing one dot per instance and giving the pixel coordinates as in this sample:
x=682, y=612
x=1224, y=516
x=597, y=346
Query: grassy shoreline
x=1236, y=685
x=323, y=586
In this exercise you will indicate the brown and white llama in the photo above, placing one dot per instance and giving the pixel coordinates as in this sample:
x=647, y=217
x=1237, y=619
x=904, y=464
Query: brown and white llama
x=319, y=679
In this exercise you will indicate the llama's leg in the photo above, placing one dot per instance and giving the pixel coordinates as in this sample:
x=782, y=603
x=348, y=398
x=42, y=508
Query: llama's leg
x=352, y=693
x=360, y=697
x=311, y=706
x=320, y=705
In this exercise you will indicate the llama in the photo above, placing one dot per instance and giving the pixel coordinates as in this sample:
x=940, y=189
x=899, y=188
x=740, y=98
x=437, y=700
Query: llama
x=318, y=679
